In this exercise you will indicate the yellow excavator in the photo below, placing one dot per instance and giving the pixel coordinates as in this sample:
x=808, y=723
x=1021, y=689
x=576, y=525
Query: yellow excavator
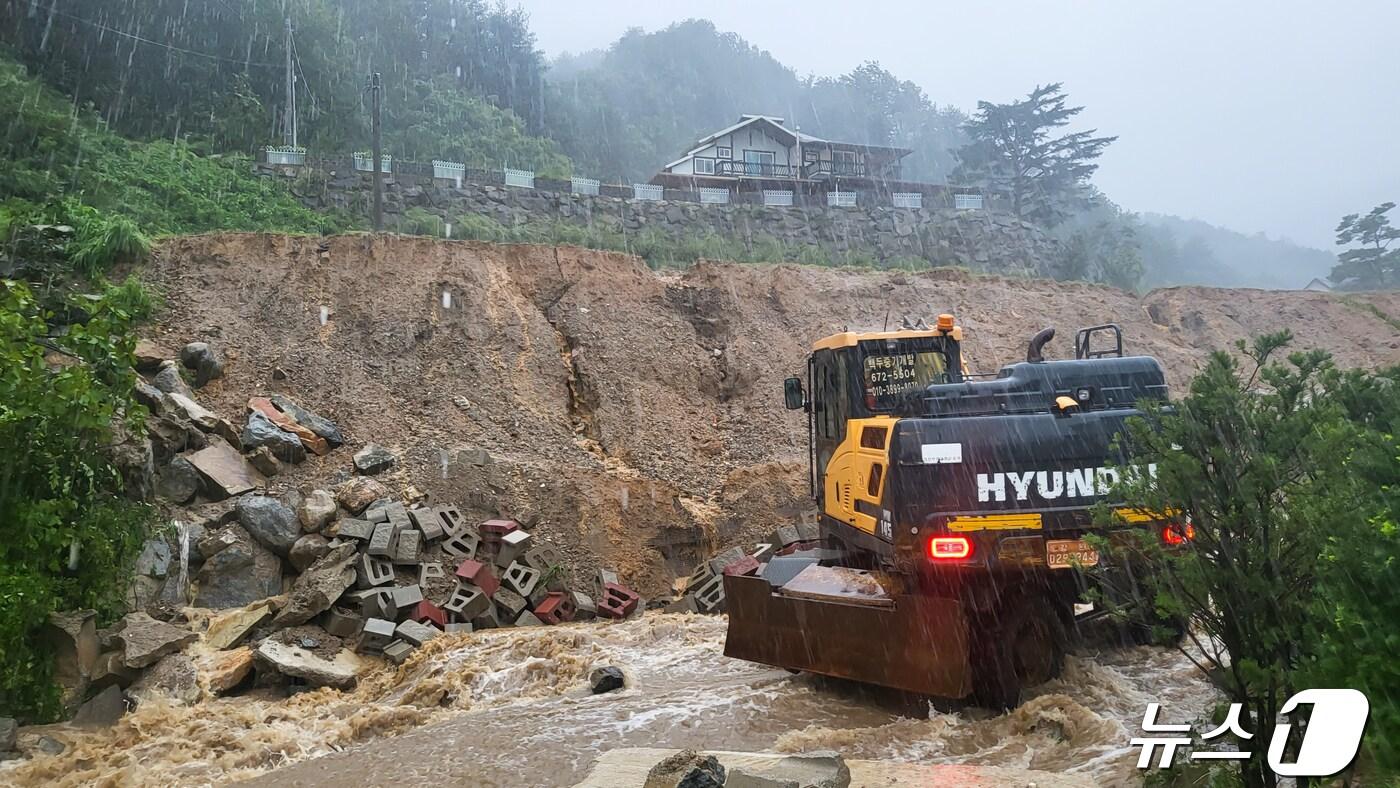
x=953, y=512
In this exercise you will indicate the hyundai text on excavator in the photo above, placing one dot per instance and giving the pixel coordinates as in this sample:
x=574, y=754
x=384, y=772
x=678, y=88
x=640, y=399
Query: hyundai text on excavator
x=953, y=512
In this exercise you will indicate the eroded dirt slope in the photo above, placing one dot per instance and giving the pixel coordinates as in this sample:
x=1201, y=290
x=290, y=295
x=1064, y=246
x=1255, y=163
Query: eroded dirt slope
x=631, y=417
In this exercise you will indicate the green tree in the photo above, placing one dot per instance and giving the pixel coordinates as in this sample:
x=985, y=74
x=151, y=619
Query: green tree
x=1373, y=264
x=1014, y=149
x=1278, y=468
x=67, y=536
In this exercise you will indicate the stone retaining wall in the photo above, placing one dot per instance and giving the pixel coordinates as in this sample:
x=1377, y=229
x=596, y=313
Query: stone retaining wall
x=988, y=239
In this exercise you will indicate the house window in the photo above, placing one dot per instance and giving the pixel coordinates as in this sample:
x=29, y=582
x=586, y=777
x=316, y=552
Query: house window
x=967, y=202
x=724, y=153
x=758, y=163
x=704, y=166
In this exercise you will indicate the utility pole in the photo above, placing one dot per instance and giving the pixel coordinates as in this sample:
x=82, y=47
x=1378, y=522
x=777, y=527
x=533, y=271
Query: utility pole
x=289, y=122
x=377, y=154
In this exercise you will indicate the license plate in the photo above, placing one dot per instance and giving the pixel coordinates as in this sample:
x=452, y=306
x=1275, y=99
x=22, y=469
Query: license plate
x=1066, y=553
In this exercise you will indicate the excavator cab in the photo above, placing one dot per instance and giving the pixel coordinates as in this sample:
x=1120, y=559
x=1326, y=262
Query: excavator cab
x=952, y=511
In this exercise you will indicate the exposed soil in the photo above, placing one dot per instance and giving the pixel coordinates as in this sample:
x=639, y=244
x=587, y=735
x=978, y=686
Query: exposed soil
x=631, y=417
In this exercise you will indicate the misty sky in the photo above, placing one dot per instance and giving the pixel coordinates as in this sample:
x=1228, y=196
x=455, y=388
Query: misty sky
x=1261, y=115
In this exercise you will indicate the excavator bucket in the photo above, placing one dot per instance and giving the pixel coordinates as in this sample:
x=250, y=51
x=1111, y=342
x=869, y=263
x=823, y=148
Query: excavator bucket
x=845, y=623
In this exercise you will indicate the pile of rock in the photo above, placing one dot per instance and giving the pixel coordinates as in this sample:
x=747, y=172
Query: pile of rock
x=703, y=591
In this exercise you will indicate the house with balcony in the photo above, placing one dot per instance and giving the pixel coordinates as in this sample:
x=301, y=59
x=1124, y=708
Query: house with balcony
x=760, y=152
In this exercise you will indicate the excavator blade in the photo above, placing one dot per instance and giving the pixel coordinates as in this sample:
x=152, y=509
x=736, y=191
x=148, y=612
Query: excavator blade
x=907, y=642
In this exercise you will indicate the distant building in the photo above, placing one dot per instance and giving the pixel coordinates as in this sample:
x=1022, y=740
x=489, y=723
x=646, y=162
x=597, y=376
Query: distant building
x=1318, y=285
x=761, y=152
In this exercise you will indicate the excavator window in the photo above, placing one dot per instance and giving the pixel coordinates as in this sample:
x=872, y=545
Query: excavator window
x=893, y=370
x=877, y=475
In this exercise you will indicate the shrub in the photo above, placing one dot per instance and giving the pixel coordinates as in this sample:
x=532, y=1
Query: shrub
x=60, y=495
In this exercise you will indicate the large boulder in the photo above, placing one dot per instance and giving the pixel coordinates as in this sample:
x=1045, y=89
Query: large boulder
x=818, y=769
x=178, y=482
x=102, y=709
x=359, y=493
x=323, y=427
x=229, y=629
x=319, y=586
x=316, y=510
x=686, y=769
x=308, y=550
x=239, y=572
x=169, y=380
x=300, y=663
x=268, y=521
x=203, y=361
x=171, y=434
x=260, y=431
x=173, y=677
x=72, y=639
x=373, y=459
x=223, y=670
x=144, y=640
x=227, y=473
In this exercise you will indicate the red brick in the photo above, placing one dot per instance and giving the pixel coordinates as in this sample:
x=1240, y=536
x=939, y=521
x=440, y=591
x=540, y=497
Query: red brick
x=479, y=575
x=493, y=530
x=618, y=601
x=426, y=612
x=556, y=608
x=744, y=566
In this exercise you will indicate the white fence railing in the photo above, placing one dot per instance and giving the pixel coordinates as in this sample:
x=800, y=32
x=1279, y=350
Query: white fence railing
x=841, y=199
x=450, y=171
x=907, y=199
x=714, y=196
x=967, y=202
x=777, y=197
x=584, y=186
x=525, y=179
x=647, y=191
x=285, y=154
x=364, y=162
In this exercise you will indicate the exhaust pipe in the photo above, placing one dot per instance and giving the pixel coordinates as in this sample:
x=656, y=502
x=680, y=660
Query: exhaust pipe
x=1038, y=343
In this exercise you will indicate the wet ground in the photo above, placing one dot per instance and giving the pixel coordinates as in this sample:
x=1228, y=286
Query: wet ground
x=511, y=708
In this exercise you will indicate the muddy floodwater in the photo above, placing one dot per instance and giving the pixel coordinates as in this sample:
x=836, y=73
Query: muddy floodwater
x=511, y=708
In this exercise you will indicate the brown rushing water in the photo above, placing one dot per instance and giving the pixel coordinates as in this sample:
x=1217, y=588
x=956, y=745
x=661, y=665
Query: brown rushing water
x=511, y=708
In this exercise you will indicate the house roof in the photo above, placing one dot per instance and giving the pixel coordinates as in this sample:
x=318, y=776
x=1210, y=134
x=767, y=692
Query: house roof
x=776, y=124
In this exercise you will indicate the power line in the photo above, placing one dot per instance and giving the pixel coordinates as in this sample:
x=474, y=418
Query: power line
x=152, y=42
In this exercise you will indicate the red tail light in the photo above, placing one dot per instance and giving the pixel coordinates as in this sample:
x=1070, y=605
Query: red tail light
x=949, y=548
x=1178, y=534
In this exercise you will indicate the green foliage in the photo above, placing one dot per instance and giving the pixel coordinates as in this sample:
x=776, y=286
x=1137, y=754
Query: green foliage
x=1288, y=473
x=1012, y=150
x=58, y=491
x=435, y=119
x=52, y=150
x=1373, y=264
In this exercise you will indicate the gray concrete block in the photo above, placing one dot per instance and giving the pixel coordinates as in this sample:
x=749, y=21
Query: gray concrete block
x=538, y=595
x=606, y=576
x=452, y=519
x=809, y=531
x=416, y=632
x=341, y=623
x=427, y=521
x=700, y=576
x=462, y=545
x=784, y=536
x=584, y=606
x=429, y=572
x=398, y=517
x=377, y=634
x=508, y=604
x=467, y=602
x=376, y=602
x=371, y=571
x=763, y=552
x=457, y=627
x=520, y=578
x=487, y=620
x=512, y=547
x=408, y=547
x=528, y=619
x=709, y=597
x=785, y=567
x=407, y=596
x=381, y=541
x=397, y=652
x=377, y=513
x=359, y=530
x=419, y=515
